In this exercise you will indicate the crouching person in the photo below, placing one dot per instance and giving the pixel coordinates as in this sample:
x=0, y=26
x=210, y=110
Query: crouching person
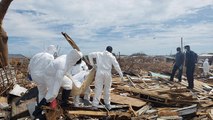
x=55, y=75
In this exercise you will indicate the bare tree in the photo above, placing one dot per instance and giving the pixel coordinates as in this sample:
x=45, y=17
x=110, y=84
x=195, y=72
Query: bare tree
x=4, y=5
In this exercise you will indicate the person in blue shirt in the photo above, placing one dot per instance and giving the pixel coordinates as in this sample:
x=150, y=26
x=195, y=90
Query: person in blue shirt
x=190, y=60
x=179, y=59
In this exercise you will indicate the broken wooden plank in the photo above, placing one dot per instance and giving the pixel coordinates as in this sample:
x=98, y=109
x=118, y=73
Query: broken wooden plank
x=210, y=114
x=133, y=84
x=102, y=107
x=70, y=41
x=187, y=110
x=98, y=113
x=153, y=96
x=206, y=103
x=170, y=118
x=144, y=91
x=124, y=100
x=75, y=46
x=132, y=110
x=167, y=112
x=143, y=109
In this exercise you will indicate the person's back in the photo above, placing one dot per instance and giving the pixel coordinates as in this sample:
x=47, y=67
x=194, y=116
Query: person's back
x=179, y=59
x=57, y=64
x=104, y=61
x=103, y=78
x=39, y=62
x=191, y=59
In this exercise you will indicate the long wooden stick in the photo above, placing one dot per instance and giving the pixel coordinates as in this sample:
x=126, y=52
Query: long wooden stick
x=75, y=46
x=71, y=42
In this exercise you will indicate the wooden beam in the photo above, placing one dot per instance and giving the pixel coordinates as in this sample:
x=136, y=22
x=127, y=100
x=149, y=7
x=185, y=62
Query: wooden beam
x=98, y=113
x=160, y=98
x=145, y=92
x=124, y=100
x=70, y=41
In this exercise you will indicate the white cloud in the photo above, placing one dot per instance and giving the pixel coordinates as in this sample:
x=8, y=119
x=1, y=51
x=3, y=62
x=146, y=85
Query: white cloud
x=141, y=24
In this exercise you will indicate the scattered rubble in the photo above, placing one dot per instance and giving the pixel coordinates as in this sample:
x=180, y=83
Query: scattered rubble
x=145, y=94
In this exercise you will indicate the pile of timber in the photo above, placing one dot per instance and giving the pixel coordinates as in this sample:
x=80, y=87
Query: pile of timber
x=153, y=97
x=138, y=97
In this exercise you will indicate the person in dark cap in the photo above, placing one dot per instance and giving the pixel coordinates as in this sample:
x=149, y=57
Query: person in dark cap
x=191, y=59
x=179, y=59
x=103, y=79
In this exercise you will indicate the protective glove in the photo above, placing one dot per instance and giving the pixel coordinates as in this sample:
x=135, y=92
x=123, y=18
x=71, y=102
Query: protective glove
x=121, y=75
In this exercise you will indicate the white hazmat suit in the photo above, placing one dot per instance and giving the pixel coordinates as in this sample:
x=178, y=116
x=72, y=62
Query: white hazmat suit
x=105, y=60
x=79, y=72
x=37, y=66
x=50, y=74
x=56, y=71
x=206, y=67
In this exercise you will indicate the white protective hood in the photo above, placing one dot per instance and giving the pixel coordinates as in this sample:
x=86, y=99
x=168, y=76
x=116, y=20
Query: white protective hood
x=39, y=62
x=72, y=57
x=51, y=49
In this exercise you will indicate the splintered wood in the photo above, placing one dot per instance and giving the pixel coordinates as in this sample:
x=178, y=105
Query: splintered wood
x=7, y=79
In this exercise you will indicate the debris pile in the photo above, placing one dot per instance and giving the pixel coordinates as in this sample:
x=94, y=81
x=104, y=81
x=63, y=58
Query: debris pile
x=145, y=94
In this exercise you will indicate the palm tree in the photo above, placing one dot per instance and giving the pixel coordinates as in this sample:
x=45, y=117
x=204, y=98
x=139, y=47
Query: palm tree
x=4, y=5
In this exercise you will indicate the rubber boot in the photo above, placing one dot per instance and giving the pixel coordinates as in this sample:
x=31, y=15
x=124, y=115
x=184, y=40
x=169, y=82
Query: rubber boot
x=38, y=110
x=65, y=97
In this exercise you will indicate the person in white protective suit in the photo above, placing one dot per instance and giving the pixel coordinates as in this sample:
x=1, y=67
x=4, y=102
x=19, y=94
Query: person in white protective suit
x=206, y=67
x=82, y=70
x=105, y=60
x=37, y=66
x=55, y=76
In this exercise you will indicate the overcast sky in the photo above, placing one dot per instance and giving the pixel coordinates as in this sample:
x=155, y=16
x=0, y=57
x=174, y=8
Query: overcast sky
x=154, y=27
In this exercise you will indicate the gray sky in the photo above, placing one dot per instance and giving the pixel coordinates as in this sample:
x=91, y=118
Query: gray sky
x=130, y=26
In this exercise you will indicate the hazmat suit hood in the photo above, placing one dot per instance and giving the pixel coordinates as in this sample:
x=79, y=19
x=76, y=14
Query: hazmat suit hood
x=72, y=57
x=51, y=49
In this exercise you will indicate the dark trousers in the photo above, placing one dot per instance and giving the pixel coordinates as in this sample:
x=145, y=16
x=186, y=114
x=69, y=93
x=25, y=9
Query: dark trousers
x=190, y=76
x=180, y=71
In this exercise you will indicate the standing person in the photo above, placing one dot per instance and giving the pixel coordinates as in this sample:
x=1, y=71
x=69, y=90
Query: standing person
x=81, y=68
x=206, y=67
x=191, y=59
x=54, y=76
x=179, y=59
x=105, y=60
